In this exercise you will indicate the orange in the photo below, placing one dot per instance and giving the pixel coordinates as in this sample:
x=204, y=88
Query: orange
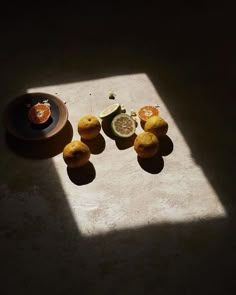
x=39, y=113
x=146, y=112
x=156, y=125
x=89, y=127
x=76, y=154
x=146, y=145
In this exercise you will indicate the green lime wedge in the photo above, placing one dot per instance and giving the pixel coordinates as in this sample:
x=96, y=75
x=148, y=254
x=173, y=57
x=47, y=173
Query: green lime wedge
x=110, y=111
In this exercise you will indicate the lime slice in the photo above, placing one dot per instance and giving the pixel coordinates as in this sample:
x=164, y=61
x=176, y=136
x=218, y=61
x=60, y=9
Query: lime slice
x=123, y=125
x=110, y=111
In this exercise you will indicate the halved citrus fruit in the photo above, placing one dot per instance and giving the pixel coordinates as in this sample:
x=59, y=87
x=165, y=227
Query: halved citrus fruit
x=147, y=112
x=39, y=113
x=110, y=111
x=123, y=125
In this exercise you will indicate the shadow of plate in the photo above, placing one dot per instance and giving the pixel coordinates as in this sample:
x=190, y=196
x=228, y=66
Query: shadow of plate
x=41, y=149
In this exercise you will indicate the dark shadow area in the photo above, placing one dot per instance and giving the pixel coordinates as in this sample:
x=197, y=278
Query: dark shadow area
x=166, y=145
x=125, y=143
x=41, y=149
x=82, y=175
x=142, y=124
x=165, y=259
x=194, y=257
x=197, y=85
x=153, y=165
x=190, y=58
x=96, y=145
x=37, y=229
x=106, y=127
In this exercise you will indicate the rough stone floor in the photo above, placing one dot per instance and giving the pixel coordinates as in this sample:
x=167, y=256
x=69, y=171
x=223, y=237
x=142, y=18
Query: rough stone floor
x=121, y=226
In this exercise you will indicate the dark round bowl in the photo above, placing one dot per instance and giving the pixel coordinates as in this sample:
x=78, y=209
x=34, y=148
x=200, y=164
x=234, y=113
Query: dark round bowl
x=17, y=123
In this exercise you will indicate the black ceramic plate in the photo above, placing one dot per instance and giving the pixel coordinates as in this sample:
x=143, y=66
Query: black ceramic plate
x=18, y=124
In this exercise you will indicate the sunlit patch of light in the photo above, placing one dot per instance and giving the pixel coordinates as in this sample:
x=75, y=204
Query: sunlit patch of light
x=123, y=195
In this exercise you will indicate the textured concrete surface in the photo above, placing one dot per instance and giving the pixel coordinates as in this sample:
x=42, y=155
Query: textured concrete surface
x=121, y=226
x=125, y=192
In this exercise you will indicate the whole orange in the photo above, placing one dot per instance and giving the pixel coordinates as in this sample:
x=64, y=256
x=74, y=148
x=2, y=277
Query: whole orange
x=76, y=154
x=156, y=125
x=146, y=145
x=89, y=127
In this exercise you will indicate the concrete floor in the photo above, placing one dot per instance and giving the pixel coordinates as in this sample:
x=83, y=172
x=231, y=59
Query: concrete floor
x=119, y=226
